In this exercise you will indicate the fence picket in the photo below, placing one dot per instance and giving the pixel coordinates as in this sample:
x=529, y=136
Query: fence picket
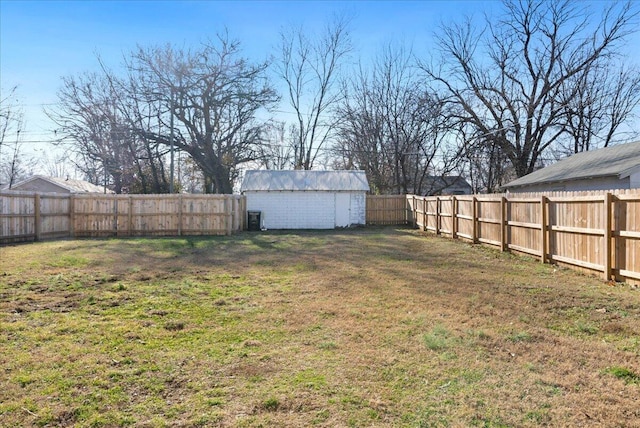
x=593, y=231
x=27, y=216
x=590, y=231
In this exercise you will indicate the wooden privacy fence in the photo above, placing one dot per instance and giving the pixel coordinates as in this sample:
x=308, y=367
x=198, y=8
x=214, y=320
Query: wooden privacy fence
x=35, y=216
x=594, y=231
x=386, y=210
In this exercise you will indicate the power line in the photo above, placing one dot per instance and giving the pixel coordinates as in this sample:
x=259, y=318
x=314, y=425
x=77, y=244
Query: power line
x=58, y=104
x=39, y=142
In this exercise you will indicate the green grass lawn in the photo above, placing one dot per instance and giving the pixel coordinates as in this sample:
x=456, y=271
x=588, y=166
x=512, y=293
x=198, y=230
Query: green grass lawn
x=367, y=327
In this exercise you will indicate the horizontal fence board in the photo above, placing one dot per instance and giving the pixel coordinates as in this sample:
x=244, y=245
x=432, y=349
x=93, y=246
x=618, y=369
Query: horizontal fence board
x=524, y=250
x=598, y=231
x=488, y=241
x=524, y=225
x=383, y=210
x=578, y=230
x=26, y=216
x=629, y=274
x=581, y=263
x=627, y=234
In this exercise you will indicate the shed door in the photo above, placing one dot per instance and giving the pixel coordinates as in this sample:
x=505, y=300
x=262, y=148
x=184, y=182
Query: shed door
x=343, y=209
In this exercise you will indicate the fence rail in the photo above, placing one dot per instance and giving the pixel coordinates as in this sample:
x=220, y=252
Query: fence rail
x=591, y=231
x=386, y=210
x=26, y=216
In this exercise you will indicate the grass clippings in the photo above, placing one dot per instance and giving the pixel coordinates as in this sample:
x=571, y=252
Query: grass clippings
x=369, y=327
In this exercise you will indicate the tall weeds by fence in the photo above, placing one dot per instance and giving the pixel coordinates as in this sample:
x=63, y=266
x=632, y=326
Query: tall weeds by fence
x=34, y=216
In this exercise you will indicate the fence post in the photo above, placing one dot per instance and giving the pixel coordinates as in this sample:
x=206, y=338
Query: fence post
x=233, y=214
x=115, y=215
x=543, y=228
x=437, y=215
x=227, y=216
x=415, y=211
x=180, y=216
x=130, y=217
x=617, y=224
x=454, y=218
x=474, y=220
x=37, y=219
x=236, y=212
x=607, y=236
x=72, y=216
x=503, y=223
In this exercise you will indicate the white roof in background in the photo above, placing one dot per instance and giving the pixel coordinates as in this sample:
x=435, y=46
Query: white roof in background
x=299, y=180
x=73, y=186
x=620, y=161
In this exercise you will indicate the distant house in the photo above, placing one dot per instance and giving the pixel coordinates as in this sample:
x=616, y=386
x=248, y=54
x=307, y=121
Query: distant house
x=40, y=183
x=305, y=199
x=615, y=167
x=446, y=185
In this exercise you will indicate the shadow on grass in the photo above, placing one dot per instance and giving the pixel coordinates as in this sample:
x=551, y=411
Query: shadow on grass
x=283, y=246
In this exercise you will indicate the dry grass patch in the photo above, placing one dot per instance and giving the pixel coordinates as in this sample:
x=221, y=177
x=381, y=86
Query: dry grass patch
x=369, y=327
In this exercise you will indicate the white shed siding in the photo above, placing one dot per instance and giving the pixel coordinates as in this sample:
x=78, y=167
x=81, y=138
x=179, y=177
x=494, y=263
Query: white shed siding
x=307, y=210
x=358, y=208
x=307, y=199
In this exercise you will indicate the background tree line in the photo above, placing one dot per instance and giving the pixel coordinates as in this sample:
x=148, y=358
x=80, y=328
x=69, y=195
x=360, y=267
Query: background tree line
x=497, y=99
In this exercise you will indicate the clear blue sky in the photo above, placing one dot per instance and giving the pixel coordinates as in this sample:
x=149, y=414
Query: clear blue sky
x=41, y=41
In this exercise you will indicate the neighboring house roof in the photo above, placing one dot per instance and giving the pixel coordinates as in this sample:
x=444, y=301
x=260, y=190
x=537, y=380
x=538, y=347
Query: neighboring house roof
x=298, y=180
x=616, y=161
x=436, y=184
x=70, y=185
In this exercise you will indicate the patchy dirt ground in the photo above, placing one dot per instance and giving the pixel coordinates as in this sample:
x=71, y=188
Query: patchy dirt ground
x=369, y=327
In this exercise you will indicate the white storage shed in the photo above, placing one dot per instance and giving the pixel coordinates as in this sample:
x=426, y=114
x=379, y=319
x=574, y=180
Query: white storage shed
x=306, y=199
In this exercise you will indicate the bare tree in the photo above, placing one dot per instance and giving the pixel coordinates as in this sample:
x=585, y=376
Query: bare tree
x=310, y=71
x=596, y=104
x=486, y=164
x=89, y=117
x=275, y=153
x=393, y=127
x=55, y=164
x=137, y=113
x=214, y=96
x=202, y=102
x=13, y=164
x=509, y=81
x=10, y=115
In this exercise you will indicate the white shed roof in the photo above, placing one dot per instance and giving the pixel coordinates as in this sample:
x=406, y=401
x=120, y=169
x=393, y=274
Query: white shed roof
x=299, y=180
